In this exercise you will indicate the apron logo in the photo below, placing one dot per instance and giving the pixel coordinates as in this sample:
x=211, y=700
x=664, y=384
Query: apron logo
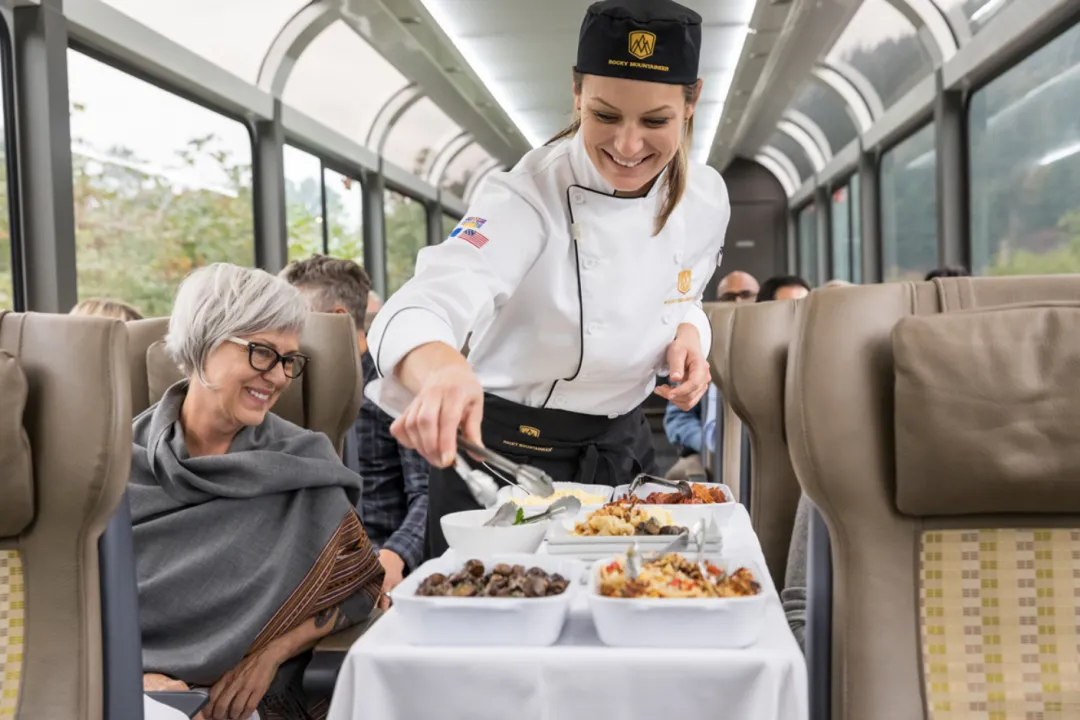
x=642, y=44
x=684, y=281
x=530, y=431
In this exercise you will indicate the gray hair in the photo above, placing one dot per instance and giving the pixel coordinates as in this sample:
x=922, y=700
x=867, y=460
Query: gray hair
x=222, y=300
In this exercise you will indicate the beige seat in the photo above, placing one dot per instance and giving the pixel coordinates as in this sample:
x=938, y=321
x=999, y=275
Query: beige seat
x=65, y=455
x=326, y=398
x=934, y=425
x=750, y=371
x=731, y=441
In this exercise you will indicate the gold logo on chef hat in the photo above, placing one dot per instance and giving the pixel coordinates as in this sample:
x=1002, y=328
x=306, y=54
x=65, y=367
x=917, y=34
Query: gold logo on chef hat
x=642, y=43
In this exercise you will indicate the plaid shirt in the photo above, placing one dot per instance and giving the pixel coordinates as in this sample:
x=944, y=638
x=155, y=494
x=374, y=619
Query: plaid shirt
x=394, y=504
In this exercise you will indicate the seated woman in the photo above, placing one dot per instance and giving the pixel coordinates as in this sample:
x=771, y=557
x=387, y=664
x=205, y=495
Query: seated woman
x=248, y=548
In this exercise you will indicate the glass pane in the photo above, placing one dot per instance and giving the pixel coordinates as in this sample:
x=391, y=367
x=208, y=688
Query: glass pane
x=406, y=234
x=825, y=108
x=326, y=85
x=449, y=222
x=881, y=44
x=808, y=244
x=422, y=130
x=162, y=186
x=977, y=13
x=1025, y=165
x=785, y=144
x=7, y=289
x=303, y=203
x=841, y=235
x=344, y=217
x=856, y=230
x=234, y=34
x=459, y=172
x=909, y=207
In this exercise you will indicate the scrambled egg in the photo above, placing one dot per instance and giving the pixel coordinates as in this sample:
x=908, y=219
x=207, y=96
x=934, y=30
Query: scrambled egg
x=584, y=497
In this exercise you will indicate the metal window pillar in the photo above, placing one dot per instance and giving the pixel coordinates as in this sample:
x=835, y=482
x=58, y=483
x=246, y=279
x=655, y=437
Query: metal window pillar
x=373, y=187
x=952, y=177
x=434, y=222
x=869, y=217
x=43, y=149
x=792, y=243
x=271, y=234
x=823, y=216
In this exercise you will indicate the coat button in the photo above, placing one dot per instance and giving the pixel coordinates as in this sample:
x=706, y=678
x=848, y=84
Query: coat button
x=678, y=256
x=589, y=263
x=667, y=317
x=559, y=401
x=578, y=198
x=593, y=328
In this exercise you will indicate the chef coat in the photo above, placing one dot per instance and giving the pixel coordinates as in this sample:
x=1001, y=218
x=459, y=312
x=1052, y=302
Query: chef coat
x=570, y=298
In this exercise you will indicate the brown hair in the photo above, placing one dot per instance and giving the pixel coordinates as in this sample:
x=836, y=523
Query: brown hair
x=675, y=182
x=101, y=307
x=332, y=281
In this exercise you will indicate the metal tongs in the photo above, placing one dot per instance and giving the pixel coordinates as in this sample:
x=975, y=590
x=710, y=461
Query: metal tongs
x=635, y=560
x=393, y=398
x=681, y=485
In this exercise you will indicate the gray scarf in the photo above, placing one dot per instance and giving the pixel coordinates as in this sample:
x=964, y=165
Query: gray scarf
x=222, y=541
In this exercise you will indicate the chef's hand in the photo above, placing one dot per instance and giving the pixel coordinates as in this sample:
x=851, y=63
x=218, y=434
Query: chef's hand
x=448, y=397
x=686, y=366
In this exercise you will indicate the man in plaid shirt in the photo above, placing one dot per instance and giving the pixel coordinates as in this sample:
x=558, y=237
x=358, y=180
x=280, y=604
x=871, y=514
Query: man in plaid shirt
x=394, y=500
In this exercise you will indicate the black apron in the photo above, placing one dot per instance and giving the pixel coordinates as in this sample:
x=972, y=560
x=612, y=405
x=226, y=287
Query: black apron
x=568, y=446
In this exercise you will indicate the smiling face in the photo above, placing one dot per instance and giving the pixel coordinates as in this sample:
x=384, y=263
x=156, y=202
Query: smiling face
x=631, y=129
x=243, y=395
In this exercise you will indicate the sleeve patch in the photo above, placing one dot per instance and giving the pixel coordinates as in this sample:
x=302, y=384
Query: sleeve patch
x=469, y=231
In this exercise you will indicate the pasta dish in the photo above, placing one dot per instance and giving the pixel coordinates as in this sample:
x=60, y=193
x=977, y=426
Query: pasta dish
x=673, y=576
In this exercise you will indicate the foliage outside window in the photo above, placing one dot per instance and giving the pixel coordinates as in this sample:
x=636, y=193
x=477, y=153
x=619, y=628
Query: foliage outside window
x=1025, y=165
x=406, y=235
x=841, y=234
x=161, y=186
x=303, y=203
x=344, y=216
x=808, y=263
x=909, y=241
x=449, y=222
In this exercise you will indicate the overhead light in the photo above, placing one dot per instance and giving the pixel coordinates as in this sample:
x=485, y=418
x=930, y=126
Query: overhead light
x=451, y=24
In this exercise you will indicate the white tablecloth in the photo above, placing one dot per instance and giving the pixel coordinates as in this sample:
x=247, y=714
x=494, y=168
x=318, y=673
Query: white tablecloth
x=579, y=678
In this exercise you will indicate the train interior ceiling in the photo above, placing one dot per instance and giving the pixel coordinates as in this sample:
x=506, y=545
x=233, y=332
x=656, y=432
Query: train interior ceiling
x=869, y=141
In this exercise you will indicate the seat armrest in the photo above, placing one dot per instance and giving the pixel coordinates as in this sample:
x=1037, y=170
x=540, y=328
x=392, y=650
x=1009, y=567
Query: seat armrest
x=320, y=675
x=189, y=702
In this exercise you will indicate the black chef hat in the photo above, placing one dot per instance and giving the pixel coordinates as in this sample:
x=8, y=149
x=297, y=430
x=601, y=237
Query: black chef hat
x=652, y=40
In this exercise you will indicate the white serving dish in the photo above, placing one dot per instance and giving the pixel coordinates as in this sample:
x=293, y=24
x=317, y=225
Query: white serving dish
x=510, y=492
x=721, y=511
x=561, y=539
x=466, y=534
x=476, y=621
x=679, y=622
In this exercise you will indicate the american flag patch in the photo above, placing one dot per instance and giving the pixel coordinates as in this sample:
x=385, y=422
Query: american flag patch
x=473, y=237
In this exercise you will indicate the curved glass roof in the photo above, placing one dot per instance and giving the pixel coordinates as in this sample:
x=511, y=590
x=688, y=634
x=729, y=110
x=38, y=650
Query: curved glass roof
x=325, y=83
x=825, y=108
x=883, y=46
x=421, y=130
x=976, y=13
x=237, y=37
x=785, y=144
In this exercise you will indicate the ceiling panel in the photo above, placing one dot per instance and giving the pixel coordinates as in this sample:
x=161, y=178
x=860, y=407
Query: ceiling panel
x=523, y=52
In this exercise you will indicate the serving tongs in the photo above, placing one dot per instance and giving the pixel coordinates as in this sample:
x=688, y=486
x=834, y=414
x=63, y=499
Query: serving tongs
x=393, y=398
x=681, y=485
x=635, y=560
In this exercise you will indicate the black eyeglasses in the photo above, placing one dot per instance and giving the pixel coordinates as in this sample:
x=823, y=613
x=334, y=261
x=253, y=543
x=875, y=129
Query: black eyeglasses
x=265, y=358
x=741, y=295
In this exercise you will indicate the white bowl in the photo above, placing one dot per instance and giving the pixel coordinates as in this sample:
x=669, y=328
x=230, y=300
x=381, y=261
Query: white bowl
x=481, y=620
x=465, y=534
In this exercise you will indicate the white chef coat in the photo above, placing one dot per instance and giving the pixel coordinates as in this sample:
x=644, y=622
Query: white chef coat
x=510, y=277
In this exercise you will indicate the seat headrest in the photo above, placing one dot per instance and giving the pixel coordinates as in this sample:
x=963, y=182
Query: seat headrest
x=326, y=398
x=16, y=468
x=987, y=405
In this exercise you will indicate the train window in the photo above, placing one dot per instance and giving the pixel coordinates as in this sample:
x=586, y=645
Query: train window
x=884, y=47
x=406, y=234
x=418, y=135
x=976, y=13
x=449, y=222
x=303, y=203
x=344, y=216
x=331, y=62
x=854, y=201
x=1025, y=165
x=909, y=242
x=161, y=186
x=461, y=169
x=238, y=37
x=841, y=234
x=790, y=147
x=825, y=108
x=808, y=245
x=7, y=279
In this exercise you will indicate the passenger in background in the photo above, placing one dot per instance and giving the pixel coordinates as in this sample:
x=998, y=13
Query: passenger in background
x=837, y=282
x=947, y=271
x=783, y=287
x=684, y=427
x=248, y=547
x=102, y=307
x=394, y=502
